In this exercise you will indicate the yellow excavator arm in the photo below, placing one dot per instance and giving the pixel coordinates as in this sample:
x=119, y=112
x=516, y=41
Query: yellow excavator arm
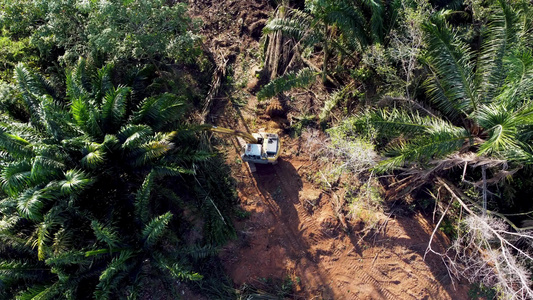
x=245, y=135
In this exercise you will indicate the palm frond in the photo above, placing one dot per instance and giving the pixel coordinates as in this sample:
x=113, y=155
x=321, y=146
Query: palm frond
x=175, y=269
x=388, y=123
x=142, y=199
x=503, y=128
x=79, y=80
x=132, y=136
x=303, y=78
x=20, y=269
x=161, y=111
x=453, y=87
x=15, y=145
x=377, y=21
x=102, y=83
x=113, y=274
x=105, y=234
x=152, y=150
x=162, y=171
x=41, y=239
x=296, y=25
x=40, y=292
x=93, y=155
x=440, y=139
x=518, y=86
x=155, y=229
x=15, y=177
x=200, y=252
x=114, y=108
x=80, y=110
x=500, y=35
x=75, y=181
x=332, y=101
x=31, y=202
x=31, y=89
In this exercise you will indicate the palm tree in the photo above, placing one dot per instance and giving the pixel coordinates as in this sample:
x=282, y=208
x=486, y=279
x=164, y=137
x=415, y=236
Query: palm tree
x=480, y=100
x=94, y=192
x=344, y=27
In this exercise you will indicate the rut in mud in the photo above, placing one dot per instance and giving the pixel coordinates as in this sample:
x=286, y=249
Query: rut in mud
x=292, y=230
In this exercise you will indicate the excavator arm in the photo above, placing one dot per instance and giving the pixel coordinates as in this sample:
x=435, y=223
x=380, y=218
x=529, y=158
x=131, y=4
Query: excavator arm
x=248, y=137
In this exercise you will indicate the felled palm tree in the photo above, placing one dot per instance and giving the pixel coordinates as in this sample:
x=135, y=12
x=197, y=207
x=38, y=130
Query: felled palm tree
x=83, y=186
x=481, y=100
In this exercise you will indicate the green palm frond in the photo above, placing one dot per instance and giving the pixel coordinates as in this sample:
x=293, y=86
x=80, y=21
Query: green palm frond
x=68, y=258
x=40, y=292
x=15, y=145
x=440, y=140
x=453, y=87
x=175, y=269
x=503, y=128
x=389, y=123
x=102, y=83
x=80, y=110
x=78, y=80
x=160, y=111
x=114, y=108
x=201, y=252
x=296, y=25
x=332, y=101
x=31, y=202
x=41, y=239
x=377, y=21
x=498, y=40
x=15, y=177
x=350, y=21
x=45, y=168
x=302, y=79
x=86, y=116
x=519, y=82
x=110, y=278
x=94, y=155
x=132, y=136
x=162, y=171
x=154, y=149
x=11, y=270
x=142, y=199
x=106, y=234
x=31, y=90
x=179, y=272
x=155, y=229
x=75, y=181
x=54, y=118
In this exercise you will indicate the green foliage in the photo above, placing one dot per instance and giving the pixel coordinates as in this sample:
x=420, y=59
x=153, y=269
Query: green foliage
x=95, y=190
x=474, y=92
x=301, y=79
x=104, y=31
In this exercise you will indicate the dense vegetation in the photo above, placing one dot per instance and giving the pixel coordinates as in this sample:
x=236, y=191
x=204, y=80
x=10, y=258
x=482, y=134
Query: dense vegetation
x=109, y=190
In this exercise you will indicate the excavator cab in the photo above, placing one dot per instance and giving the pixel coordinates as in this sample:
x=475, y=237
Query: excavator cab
x=265, y=151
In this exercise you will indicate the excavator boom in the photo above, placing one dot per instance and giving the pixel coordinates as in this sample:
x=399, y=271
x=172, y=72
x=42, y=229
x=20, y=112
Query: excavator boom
x=245, y=135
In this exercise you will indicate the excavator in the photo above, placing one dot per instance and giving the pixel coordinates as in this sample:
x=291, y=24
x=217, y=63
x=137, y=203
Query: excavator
x=260, y=148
